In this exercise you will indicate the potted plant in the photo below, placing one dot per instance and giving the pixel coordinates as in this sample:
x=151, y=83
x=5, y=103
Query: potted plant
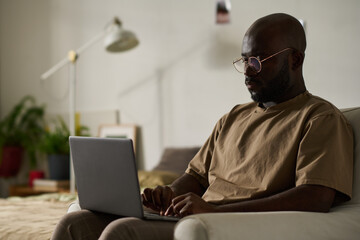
x=20, y=132
x=55, y=144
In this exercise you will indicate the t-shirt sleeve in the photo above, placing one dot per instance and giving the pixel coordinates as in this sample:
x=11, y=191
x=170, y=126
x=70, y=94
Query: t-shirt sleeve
x=325, y=155
x=199, y=165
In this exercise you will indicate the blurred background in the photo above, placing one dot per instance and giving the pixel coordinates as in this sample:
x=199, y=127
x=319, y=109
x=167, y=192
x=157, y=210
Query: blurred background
x=179, y=80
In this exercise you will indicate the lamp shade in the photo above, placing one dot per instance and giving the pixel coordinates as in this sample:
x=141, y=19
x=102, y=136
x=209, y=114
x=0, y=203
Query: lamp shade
x=119, y=40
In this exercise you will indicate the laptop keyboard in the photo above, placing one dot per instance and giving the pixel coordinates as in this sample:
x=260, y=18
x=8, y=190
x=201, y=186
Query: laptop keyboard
x=155, y=216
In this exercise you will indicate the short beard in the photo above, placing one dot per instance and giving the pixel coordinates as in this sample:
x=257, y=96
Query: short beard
x=277, y=87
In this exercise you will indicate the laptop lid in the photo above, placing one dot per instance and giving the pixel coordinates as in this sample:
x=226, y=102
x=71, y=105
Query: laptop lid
x=106, y=175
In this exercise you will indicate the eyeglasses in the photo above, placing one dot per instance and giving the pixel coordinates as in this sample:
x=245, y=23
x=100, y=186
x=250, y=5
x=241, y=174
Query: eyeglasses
x=254, y=63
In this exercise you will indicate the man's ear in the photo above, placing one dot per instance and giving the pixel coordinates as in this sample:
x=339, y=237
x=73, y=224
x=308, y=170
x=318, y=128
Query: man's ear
x=297, y=59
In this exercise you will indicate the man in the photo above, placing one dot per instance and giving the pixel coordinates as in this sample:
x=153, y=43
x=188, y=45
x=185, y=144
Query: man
x=287, y=150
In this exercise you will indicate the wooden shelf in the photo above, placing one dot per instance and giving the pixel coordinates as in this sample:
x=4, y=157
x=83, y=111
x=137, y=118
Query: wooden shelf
x=23, y=191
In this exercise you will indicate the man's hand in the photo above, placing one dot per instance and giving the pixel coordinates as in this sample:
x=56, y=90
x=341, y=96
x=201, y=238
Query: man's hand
x=188, y=204
x=158, y=199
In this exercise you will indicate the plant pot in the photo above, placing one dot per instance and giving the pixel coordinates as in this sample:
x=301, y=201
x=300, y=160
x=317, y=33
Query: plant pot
x=35, y=174
x=59, y=167
x=11, y=161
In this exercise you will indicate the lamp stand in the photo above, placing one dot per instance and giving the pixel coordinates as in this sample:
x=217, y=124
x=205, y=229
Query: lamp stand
x=118, y=40
x=72, y=110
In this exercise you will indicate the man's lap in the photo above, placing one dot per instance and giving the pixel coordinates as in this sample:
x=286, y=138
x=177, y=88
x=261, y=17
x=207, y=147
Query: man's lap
x=88, y=225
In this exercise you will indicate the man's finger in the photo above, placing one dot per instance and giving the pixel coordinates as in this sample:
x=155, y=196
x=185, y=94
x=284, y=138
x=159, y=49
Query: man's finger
x=143, y=197
x=166, y=198
x=179, y=206
x=156, y=197
x=149, y=204
x=178, y=199
x=169, y=211
x=145, y=201
x=185, y=210
x=147, y=194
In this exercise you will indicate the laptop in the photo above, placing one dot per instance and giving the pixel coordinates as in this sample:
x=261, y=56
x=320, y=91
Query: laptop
x=106, y=177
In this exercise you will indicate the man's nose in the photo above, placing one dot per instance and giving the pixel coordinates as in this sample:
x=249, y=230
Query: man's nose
x=249, y=71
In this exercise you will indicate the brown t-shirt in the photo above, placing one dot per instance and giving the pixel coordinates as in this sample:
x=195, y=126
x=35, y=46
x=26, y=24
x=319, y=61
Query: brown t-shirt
x=255, y=152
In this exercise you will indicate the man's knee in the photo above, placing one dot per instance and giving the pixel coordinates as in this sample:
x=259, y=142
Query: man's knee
x=64, y=226
x=81, y=225
x=134, y=228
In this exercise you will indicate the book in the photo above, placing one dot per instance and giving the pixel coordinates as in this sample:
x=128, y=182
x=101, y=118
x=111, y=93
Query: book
x=50, y=185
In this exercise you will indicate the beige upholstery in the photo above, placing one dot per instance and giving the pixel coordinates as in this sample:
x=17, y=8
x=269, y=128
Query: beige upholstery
x=343, y=222
x=176, y=159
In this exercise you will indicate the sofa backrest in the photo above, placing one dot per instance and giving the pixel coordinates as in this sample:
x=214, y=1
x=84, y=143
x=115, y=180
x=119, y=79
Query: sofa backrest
x=353, y=116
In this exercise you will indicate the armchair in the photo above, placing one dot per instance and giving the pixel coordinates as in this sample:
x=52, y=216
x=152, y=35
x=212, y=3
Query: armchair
x=342, y=222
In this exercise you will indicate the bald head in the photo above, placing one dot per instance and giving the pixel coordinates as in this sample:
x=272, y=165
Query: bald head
x=277, y=31
x=280, y=40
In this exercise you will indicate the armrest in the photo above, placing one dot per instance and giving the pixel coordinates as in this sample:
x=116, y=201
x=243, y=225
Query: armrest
x=341, y=223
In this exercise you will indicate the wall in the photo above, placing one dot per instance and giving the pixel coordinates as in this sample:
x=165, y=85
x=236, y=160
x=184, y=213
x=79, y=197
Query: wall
x=179, y=80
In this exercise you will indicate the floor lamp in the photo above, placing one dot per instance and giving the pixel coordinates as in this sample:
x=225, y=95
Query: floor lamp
x=116, y=40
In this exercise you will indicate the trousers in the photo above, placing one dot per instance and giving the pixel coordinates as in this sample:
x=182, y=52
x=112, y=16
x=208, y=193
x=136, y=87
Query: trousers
x=88, y=225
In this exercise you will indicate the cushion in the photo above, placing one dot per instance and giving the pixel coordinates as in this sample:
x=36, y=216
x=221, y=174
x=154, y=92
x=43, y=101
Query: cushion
x=152, y=179
x=176, y=159
x=353, y=116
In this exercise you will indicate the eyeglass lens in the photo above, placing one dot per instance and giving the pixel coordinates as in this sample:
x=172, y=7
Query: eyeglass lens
x=252, y=62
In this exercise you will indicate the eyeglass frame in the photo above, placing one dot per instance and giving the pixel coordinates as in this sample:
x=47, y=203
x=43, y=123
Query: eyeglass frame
x=258, y=59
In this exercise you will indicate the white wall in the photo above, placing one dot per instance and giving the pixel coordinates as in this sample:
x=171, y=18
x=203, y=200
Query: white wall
x=183, y=60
